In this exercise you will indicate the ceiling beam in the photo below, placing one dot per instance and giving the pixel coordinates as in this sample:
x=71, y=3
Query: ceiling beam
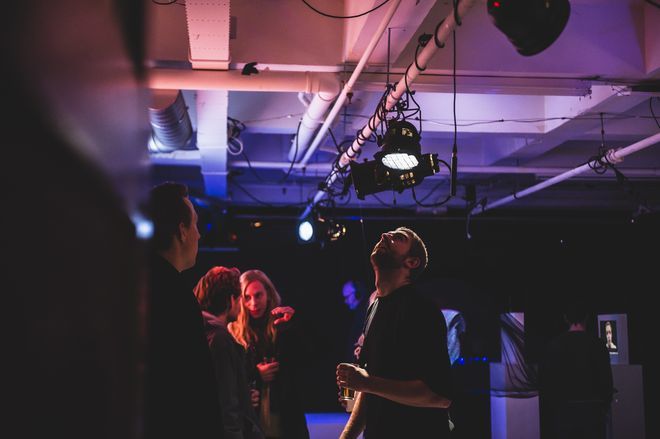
x=212, y=140
x=404, y=26
x=208, y=33
x=575, y=116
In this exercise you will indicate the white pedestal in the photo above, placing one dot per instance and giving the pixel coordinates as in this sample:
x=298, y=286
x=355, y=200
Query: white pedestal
x=512, y=418
x=628, y=402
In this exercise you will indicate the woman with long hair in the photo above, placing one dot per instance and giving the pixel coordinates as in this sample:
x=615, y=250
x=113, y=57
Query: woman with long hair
x=264, y=329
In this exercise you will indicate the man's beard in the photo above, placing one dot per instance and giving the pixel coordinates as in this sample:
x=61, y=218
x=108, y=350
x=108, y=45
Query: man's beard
x=384, y=260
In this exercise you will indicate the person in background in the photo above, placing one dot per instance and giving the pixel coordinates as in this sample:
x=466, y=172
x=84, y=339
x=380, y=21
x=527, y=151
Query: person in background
x=360, y=341
x=181, y=395
x=265, y=330
x=354, y=293
x=575, y=382
x=219, y=296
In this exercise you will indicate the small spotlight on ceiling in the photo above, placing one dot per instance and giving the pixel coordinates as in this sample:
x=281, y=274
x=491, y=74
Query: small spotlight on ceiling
x=320, y=229
x=399, y=165
x=335, y=231
x=256, y=224
x=306, y=231
x=531, y=25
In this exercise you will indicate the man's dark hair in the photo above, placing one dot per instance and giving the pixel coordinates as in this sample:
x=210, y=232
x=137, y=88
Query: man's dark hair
x=576, y=313
x=167, y=210
x=216, y=287
x=417, y=250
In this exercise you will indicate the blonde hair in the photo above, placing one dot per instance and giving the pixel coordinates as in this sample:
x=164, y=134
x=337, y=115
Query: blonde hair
x=241, y=329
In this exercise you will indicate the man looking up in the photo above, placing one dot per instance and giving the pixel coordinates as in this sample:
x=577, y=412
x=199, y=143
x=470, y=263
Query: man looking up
x=403, y=382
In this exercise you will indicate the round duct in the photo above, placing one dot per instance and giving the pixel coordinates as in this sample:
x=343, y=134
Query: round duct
x=170, y=123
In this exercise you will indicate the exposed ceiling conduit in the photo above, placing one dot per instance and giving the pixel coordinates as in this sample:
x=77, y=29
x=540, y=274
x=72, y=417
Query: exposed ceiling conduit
x=612, y=156
x=310, y=122
x=233, y=80
x=192, y=158
x=305, y=137
x=170, y=121
x=441, y=35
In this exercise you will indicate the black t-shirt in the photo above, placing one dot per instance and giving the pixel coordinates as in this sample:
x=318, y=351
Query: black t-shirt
x=406, y=340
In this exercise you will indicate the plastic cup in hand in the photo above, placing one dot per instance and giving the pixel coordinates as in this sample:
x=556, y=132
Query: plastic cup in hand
x=347, y=394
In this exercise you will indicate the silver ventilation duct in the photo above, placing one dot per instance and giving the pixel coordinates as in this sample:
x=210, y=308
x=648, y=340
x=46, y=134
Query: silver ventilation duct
x=170, y=123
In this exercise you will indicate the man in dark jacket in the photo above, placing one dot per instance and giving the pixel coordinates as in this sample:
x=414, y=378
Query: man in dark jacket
x=219, y=295
x=180, y=396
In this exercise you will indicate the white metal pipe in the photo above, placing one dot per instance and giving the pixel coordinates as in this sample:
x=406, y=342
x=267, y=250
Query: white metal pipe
x=539, y=171
x=442, y=34
x=192, y=158
x=348, y=87
x=310, y=122
x=302, y=97
x=613, y=156
x=308, y=82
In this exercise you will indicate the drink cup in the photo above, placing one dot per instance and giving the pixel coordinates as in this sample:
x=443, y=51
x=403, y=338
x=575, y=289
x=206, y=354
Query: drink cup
x=347, y=394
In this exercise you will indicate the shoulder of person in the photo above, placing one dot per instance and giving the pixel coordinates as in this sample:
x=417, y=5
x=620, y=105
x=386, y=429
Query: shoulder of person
x=418, y=300
x=220, y=337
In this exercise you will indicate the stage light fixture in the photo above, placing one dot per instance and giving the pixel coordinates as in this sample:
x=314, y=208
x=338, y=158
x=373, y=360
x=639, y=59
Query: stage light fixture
x=318, y=228
x=335, y=231
x=400, y=146
x=306, y=231
x=399, y=165
x=530, y=25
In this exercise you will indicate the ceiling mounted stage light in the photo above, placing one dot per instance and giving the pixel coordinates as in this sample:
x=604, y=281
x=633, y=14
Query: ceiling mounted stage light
x=335, y=231
x=315, y=228
x=531, y=25
x=399, y=165
x=305, y=231
x=400, y=146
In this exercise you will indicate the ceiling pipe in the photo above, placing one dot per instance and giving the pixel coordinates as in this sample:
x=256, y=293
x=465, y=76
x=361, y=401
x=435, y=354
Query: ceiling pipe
x=441, y=35
x=310, y=122
x=538, y=171
x=233, y=80
x=170, y=122
x=612, y=156
x=192, y=158
x=302, y=97
x=348, y=88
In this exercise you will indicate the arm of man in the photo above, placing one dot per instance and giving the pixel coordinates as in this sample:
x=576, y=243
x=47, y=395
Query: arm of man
x=409, y=392
x=357, y=421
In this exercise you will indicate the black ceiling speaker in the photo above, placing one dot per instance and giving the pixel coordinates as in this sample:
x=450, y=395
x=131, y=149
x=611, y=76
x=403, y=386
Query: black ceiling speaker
x=531, y=25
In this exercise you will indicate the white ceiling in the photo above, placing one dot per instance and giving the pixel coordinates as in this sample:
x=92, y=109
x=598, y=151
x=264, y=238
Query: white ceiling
x=520, y=119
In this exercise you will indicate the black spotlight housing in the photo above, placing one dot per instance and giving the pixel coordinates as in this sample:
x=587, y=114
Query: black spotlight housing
x=400, y=147
x=531, y=25
x=316, y=228
x=398, y=166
